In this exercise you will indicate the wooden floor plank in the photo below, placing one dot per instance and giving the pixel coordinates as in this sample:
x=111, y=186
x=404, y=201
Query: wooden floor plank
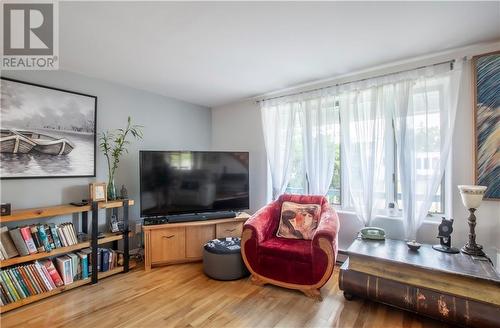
x=182, y=296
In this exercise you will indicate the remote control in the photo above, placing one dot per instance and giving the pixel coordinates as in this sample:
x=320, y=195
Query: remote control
x=79, y=203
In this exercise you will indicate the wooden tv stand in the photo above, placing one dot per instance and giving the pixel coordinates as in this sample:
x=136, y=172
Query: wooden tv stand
x=183, y=242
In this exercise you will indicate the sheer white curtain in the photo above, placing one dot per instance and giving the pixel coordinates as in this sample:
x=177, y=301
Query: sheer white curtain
x=425, y=104
x=416, y=108
x=278, y=120
x=319, y=119
x=363, y=118
x=318, y=124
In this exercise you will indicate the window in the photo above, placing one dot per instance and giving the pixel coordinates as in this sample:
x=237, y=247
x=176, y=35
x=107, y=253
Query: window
x=426, y=121
x=299, y=182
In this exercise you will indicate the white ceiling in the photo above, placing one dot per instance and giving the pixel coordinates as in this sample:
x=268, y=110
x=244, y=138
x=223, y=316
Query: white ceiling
x=214, y=53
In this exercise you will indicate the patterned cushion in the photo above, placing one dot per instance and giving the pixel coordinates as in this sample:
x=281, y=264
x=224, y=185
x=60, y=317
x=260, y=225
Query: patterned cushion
x=298, y=221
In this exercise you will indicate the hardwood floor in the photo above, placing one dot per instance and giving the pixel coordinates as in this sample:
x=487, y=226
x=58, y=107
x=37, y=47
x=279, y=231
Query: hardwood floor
x=181, y=295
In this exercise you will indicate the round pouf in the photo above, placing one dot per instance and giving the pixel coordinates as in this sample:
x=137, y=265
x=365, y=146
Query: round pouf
x=222, y=259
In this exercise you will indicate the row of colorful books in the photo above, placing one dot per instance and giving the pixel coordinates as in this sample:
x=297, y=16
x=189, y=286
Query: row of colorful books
x=35, y=238
x=41, y=276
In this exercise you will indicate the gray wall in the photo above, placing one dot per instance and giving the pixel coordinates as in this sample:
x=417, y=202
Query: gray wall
x=239, y=128
x=169, y=124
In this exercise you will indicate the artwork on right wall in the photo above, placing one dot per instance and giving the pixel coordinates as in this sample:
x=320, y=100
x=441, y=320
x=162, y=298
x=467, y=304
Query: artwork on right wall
x=486, y=85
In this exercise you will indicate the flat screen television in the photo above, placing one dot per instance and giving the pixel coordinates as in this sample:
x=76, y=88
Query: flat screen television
x=181, y=182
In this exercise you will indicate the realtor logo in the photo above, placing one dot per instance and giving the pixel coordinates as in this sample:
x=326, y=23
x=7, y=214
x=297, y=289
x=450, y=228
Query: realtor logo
x=29, y=36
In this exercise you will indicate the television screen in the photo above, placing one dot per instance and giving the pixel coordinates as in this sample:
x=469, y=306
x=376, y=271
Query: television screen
x=177, y=182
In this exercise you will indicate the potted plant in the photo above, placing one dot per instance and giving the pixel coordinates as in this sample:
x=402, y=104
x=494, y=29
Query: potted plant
x=114, y=144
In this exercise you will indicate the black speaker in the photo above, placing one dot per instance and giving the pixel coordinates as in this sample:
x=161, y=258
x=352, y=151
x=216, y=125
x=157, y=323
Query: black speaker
x=5, y=209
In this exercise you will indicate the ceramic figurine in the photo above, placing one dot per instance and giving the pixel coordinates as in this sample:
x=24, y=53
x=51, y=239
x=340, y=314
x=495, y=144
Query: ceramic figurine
x=124, y=192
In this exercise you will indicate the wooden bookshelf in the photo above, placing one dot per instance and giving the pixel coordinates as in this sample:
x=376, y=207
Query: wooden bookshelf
x=58, y=290
x=34, y=298
x=58, y=210
x=93, y=242
x=114, y=204
x=116, y=270
x=109, y=237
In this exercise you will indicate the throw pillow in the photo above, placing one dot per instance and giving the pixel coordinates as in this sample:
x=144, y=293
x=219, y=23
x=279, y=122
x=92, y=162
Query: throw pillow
x=298, y=221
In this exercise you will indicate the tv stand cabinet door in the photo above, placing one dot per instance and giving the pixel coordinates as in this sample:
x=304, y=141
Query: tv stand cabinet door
x=168, y=245
x=196, y=238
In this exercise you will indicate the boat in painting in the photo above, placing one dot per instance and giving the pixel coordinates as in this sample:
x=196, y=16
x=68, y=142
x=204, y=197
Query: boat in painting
x=11, y=142
x=38, y=142
x=46, y=144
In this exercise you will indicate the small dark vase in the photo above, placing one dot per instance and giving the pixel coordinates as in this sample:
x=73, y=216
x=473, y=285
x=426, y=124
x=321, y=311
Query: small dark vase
x=111, y=189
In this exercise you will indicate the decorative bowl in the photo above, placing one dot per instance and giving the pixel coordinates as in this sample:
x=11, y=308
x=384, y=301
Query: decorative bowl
x=413, y=245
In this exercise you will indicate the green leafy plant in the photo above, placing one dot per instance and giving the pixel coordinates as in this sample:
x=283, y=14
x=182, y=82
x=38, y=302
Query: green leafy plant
x=114, y=145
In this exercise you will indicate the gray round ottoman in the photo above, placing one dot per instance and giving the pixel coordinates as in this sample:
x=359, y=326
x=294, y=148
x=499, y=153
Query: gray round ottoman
x=222, y=259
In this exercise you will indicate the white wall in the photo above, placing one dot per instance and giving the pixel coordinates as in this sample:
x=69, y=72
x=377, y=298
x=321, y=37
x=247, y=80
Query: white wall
x=169, y=124
x=238, y=126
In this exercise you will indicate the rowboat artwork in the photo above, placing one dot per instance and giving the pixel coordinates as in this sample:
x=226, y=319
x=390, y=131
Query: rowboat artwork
x=11, y=142
x=16, y=142
x=46, y=132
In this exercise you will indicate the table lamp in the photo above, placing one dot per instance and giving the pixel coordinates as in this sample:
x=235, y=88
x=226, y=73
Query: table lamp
x=472, y=197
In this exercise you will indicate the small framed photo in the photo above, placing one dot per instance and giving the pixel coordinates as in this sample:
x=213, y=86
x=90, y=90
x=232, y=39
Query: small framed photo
x=98, y=191
x=114, y=224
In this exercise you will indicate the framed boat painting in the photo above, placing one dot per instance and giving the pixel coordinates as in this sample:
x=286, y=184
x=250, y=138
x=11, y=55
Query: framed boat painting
x=46, y=132
x=486, y=87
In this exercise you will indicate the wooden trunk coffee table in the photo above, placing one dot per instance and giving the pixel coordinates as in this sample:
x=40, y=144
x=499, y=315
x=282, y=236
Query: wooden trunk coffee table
x=455, y=288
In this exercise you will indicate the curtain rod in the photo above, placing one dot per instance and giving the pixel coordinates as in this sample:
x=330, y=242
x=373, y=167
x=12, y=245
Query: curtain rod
x=451, y=62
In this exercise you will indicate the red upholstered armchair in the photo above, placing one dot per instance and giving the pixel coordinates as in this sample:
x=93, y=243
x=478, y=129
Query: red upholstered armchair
x=305, y=265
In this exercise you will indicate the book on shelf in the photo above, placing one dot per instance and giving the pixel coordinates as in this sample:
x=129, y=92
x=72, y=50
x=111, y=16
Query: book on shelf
x=35, y=239
x=105, y=260
x=69, y=233
x=32, y=281
x=55, y=237
x=45, y=280
x=88, y=251
x=18, y=240
x=112, y=256
x=54, y=275
x=36, y=278
x=74, y=265
x=65, y=232
x=28, y=240
x=24, y=278
x=8, y=286
x=64, y=266
x=19, y=290
x=84, y=264
x=43, y=237
x=50, y=238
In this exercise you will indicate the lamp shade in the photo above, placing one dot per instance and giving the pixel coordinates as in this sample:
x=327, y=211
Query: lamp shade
x=472, y=196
